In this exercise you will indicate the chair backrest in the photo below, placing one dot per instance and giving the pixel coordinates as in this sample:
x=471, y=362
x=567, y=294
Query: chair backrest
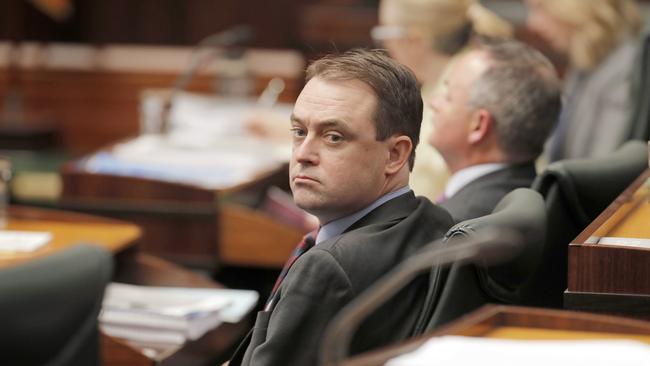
x=575, y=193
x=460, y=289
x=49, y=308
x=640, y=92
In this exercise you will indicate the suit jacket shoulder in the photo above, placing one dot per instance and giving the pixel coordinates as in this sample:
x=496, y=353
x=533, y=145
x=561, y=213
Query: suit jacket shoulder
x=330, y=275
x=479, y=197
x=387, y=235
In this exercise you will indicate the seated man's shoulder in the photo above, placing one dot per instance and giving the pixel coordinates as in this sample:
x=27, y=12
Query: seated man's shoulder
x=481, y=196
x=385, y=227
x=378, y=242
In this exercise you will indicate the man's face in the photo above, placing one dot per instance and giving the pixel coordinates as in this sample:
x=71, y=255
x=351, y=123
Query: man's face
x=452, y=116
x=337, y=165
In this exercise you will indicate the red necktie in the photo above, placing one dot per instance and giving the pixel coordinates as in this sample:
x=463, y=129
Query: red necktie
x=305, y=244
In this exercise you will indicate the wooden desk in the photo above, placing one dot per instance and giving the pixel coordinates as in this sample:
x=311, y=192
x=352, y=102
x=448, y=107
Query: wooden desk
x=511, y=322
x=615, y=277
x=133, y=267
x=68, y=228
x=189, y=224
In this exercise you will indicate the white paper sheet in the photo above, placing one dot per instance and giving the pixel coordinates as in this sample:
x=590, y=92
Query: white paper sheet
x=471, y=351
x=232, y=305
x=23, y=241
x=170, y=315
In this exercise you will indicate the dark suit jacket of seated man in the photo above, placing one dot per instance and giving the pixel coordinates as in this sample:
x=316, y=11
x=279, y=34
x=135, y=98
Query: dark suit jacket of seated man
x=355, y=126
x=500, y=102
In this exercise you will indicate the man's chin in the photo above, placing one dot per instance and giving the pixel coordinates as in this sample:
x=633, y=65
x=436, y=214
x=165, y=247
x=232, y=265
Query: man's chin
x=311, y=207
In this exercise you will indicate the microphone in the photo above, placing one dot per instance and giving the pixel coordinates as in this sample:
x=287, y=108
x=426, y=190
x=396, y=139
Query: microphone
x=216, y=43
x=491, y=247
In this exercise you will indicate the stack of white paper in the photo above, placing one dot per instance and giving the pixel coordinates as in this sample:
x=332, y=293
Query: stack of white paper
x=470, y=351
x=170, y=314
x=230, y=162
x=23, y=241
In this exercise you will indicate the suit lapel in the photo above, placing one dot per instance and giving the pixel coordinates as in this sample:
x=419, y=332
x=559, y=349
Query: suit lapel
x=395, y=209
x=513, y=172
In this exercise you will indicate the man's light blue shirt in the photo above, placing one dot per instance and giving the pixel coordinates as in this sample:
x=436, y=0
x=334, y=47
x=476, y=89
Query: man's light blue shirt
x=338, y=226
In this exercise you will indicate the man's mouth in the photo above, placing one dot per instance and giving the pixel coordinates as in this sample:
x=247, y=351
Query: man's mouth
x=302, y=178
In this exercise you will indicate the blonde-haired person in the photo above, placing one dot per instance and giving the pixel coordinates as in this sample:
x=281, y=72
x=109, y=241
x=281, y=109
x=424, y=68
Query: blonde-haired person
x=599, y=40
x=426, y=35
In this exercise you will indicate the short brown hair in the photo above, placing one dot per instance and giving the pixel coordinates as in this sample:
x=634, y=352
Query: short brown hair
x=399, y=103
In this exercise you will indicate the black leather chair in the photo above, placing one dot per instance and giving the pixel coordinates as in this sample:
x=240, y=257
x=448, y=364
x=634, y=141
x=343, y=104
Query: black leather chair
x=458, y=290
x=49, y=308
x=575, y=193
x=513, y=236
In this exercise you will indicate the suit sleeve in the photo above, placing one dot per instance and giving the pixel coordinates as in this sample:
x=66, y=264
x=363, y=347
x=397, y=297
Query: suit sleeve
x=315, y=289
x=610, y=117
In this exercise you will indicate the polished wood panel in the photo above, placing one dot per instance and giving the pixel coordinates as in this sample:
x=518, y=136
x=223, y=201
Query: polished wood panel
x=609, y=269
x=511, y=322
x=93, y=108
x=252, y=238
x=181, y=22
x=630, y=305
x=188, y=224
x=333, y=26
x=177, y=220
x=613, y=278
x=90, y=108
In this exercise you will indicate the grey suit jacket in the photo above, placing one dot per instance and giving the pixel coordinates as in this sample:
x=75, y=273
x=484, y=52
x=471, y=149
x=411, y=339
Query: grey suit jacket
x=597, y=107
x=330, y=275
x=480, y=197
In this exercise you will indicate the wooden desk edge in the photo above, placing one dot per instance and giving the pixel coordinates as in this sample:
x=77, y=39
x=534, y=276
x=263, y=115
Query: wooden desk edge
x=624, y=197
x=490, y=316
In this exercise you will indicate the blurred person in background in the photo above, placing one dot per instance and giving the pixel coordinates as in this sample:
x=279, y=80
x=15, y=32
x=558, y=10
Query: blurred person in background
x=426, y=35
x=599, y=40
x=500, y=102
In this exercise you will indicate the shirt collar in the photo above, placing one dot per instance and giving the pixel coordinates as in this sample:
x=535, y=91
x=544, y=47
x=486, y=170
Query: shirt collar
x=466, y=175
x=338, y=226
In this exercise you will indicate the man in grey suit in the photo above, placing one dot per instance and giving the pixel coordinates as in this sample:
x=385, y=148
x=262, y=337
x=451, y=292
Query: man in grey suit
x=355, y=126
x=499, y=103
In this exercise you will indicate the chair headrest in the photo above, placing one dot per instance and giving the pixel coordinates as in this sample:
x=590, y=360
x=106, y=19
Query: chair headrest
x=521, y=211
x=71, y=283
x=589, y=185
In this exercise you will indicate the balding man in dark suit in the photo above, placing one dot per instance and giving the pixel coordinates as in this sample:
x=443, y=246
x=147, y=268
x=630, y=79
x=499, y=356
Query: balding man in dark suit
x=500, y=102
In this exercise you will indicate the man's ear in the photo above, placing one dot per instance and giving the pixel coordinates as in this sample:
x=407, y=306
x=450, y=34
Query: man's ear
x=399, y=151
x=480, y=126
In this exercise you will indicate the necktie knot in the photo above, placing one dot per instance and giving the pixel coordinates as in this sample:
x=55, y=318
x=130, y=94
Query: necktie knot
x=306, y=243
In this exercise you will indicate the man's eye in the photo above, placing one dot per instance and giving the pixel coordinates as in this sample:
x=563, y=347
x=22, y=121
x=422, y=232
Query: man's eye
x=333, y=138
x=298, y=132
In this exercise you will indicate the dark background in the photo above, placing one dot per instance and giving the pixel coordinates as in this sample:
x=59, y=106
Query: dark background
x=313, y=26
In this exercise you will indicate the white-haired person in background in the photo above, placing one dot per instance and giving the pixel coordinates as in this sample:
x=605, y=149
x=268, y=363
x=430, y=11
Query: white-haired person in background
x=599, y=40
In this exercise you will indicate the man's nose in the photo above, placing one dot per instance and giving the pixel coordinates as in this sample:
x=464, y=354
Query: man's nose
x=306, y=151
